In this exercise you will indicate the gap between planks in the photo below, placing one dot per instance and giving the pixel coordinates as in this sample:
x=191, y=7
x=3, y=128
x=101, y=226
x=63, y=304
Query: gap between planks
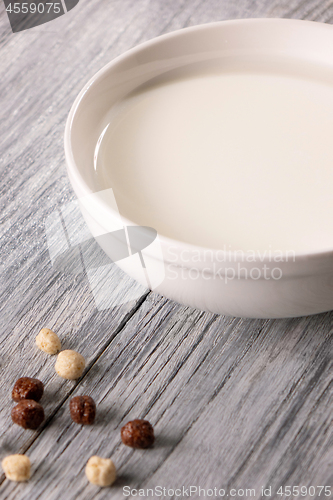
x=118, y=330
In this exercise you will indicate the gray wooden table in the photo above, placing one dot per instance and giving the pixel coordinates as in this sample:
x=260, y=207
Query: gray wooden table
x=236, y=403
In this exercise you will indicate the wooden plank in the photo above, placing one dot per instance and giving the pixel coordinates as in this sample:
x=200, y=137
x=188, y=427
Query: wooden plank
x=69, y=309
x=226, y=414
x=153, y=343
x=270, y=424
x=34, y=186
x=266, y=385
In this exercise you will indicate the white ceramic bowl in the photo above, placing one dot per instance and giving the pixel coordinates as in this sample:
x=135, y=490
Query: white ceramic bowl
x=302, y=284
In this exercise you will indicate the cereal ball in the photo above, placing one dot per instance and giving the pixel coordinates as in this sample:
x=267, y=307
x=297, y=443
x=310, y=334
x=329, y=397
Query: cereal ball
x=138, y=434
x=101, y=471
x=70, y=364
x=16, y=467
x=83, y=410
x=48, y=341
x=28, y=414
x=27, y=388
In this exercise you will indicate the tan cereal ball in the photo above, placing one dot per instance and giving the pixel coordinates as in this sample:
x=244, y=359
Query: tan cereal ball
x=101, y=471
x=16, y=467
x=70, y=364
x=48, y=341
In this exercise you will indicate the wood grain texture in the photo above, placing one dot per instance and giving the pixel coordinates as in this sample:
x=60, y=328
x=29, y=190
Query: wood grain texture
x=225, y=414
x=235, y=403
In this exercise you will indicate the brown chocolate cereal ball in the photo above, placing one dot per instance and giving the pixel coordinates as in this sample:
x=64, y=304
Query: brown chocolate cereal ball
x=27, y=388
x=138, y=434
x=83, y=410
x=28, y=414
